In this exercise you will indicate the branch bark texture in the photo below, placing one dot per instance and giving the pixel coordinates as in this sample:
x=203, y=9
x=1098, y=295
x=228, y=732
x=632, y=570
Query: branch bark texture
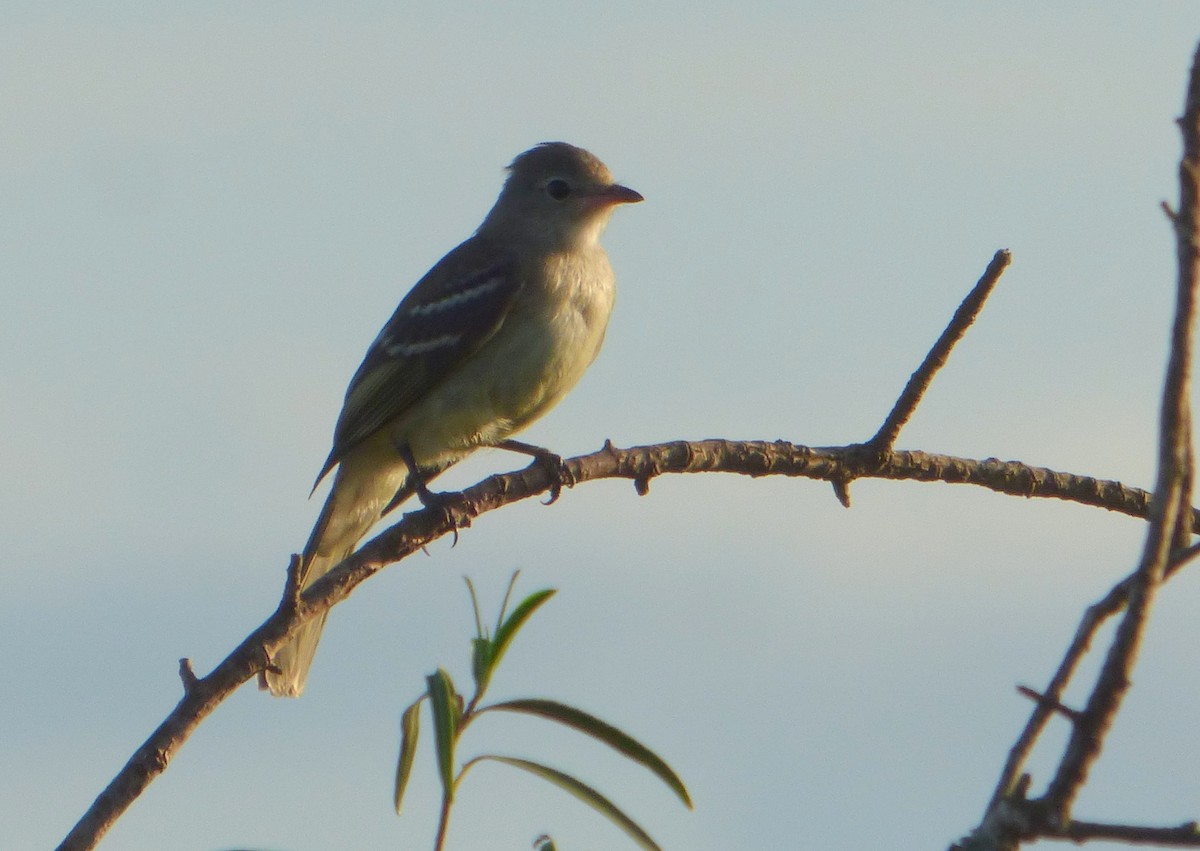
x=639, y=464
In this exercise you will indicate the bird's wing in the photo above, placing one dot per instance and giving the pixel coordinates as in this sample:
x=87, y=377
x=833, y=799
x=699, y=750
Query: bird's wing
x=445, y=318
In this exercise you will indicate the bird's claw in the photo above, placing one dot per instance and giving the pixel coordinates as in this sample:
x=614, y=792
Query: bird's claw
x=449, y=505
x=550, y=462
x=557, y=471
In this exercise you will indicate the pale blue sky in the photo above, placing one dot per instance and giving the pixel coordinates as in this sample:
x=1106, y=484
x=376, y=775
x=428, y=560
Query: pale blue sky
x=207, y=213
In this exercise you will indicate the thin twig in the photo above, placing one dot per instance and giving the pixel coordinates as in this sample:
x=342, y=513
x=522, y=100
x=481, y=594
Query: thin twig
x=1182, y=558
x=1051, y=703
x=1183, y=836
x=1093, y=619
x=918, y=383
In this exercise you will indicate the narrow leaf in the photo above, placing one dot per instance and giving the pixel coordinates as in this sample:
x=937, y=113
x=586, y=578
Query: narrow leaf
x=512, y=583
x=602, y=731
x=508, y=629
x=584, y=793
x=475, y=606
x=410, y=728
x=443, y=703
x=481, y=664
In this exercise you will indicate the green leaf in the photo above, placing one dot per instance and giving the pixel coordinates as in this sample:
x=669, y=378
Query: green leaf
x=584, y=793
x=512, y=583
x=410, y=728
x=506, y=631
x=481, y=663
x=475, y=606
x=443, y=703
x=602, y=731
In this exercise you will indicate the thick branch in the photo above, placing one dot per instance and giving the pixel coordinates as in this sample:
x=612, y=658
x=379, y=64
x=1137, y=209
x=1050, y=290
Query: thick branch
x=1171, y=492
x=1010, y=817
x=640, y=465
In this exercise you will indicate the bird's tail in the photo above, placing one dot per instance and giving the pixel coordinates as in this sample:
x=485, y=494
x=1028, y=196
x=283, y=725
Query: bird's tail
x=354, y=504
x=292, y=660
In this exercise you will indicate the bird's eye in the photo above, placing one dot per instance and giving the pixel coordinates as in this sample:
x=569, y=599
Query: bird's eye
x=558, y=189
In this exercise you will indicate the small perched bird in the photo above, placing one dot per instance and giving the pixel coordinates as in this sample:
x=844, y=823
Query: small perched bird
x=490, y=339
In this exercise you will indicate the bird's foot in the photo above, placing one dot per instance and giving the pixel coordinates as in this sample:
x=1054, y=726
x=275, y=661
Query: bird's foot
x=550, y=462
x=450, y=505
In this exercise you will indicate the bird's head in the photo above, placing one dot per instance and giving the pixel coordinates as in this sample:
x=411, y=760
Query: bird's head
x=558, y=193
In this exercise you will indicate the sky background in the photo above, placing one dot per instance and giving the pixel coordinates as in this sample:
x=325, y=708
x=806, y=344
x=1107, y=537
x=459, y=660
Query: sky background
x=206, y=214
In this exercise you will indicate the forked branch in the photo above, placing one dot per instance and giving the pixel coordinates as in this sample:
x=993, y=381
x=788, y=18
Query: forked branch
x=1010, y=818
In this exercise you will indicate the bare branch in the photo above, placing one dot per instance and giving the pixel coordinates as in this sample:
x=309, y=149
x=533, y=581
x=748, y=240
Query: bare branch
x=918, y=383
x=1093, y=619
x=291, y=586
x=639, y=465
x=1051, y=703
x=1171, y=492
x=1183, y=836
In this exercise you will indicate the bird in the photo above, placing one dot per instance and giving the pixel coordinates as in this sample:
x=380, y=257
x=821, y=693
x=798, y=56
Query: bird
x=490, y=339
